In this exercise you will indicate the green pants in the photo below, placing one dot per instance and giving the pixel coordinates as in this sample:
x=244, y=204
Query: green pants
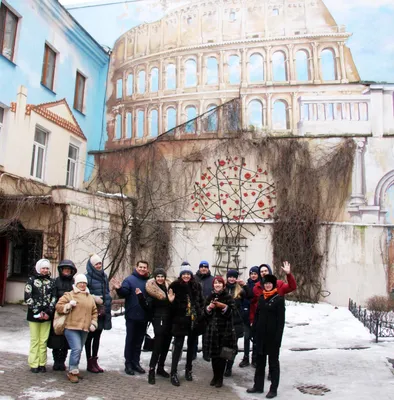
x=39, y=332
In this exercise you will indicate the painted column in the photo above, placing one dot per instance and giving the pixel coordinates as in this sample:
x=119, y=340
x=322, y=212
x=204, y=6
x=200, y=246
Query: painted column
x=160, y=129
x=342, y=62
x=222, y=84
x=296, y=113
x=269, y=111
x=316, y=64
x=161, y=76
x=179, y=74
x=292, y=76
x=357, y=197
x=269, y=65
x=147, y=122
x=199, y=72
x=147, y=78
x=244, y=69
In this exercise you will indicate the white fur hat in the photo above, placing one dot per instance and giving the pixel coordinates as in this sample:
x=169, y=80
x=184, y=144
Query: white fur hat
x=43, y=263
x=94, y=259
x=80, y=278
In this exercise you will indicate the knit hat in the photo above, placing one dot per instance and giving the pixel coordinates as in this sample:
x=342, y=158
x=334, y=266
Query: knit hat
x=95, y=259
x=232, y=273
x=270, y=278
x=80, y=278
x=185, y=268
x=255, y=269
x=219, y=279
x=268, y=267
x=159, y=271
x=203, y=264
x=43, y=263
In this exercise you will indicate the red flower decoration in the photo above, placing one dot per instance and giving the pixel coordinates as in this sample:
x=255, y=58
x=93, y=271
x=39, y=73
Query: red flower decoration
x=265, y=173
x=222, y=163
x=260, y=170
x=247, y=175
x=230, y=209
x=227, y=195
x=192, y=197
x=235, y=168
x=272, y=209
x=195, y=204
x=261, y=203
x=197, y=183
x=231, y=182
x=206, y=203
x=221, y=183
x=254, y=180
x=224, y=202
x=245, y=195
x=208, y=194
x=236, y=217
x=235, y=158
x=243, y=211
x=203, y=185
x=203, y=218
x=193, y=209
x=217, y=216
x=253, y=193
x=202, y=177
x=236, y=201
x=260, y=186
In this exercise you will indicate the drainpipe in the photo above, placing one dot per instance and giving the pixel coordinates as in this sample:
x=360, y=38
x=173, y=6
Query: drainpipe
x=63, y=208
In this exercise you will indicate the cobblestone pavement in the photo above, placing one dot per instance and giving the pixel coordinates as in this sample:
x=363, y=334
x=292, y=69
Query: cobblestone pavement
x=17, y=382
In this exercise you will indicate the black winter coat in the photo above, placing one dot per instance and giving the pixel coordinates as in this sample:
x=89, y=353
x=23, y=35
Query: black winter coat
x=268, y=324
x=39, y=296
x=246, y=302
x=185, y=320
x=157, y=306
x=220, y=329
x=239, y=294
x=98, y=286
x=205, y=281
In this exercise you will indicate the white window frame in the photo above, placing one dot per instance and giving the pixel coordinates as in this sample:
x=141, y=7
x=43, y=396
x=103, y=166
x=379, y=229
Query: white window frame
x=71, y=161
x=36, y=146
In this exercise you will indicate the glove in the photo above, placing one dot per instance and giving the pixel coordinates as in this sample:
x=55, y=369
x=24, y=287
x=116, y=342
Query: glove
x=92, y=328
x=73, y=303
x=98, y=300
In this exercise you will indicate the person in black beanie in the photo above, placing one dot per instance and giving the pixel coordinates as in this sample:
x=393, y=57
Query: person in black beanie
x=267, y=332
x=157, y=306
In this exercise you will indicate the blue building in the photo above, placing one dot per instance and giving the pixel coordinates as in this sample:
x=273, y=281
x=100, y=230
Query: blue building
x=44, y=49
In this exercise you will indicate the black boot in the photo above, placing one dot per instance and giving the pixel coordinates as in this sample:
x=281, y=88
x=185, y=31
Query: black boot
x=244, y=363
x=162, y=372
x=128, y=369
x=271, y=394
x=175, y=379
x=229, y=369
x=188, y=374
x=151, y=376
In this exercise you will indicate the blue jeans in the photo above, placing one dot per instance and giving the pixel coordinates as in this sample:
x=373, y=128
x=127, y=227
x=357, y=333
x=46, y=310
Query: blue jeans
x=76, y=340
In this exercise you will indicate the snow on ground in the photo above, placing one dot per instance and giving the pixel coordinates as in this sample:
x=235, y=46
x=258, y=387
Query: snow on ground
x=349, y=374
x=36, y=393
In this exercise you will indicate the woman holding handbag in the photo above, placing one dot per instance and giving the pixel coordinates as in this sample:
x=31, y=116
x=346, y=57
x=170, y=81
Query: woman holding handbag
x=157, y=306
x=99, y=288
x=221, y=342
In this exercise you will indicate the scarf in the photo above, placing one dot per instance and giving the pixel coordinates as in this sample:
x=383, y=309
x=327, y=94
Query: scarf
x=270, y=293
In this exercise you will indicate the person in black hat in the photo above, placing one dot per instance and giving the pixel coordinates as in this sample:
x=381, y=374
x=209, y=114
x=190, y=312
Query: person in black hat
x=267, y=332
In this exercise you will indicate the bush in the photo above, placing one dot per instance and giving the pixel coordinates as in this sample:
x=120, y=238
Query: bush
x=380, y=306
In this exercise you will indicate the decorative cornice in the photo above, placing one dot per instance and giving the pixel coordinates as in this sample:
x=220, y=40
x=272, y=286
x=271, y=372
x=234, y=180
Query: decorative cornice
x=42, y=109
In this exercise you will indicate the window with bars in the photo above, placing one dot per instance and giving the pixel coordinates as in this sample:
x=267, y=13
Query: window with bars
x=80, y=82
x=48, y=67
x=8, y=29
x=72, y=164
x=39, y=151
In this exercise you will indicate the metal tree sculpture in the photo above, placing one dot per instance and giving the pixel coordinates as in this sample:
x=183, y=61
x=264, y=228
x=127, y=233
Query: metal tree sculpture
x=234, y=195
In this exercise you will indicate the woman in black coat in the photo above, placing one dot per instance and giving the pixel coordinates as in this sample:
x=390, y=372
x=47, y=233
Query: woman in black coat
x=157, y=306
x=220, y=330
x=267, y=332
x=63, y=284
x=187, y=309
x=99, y=288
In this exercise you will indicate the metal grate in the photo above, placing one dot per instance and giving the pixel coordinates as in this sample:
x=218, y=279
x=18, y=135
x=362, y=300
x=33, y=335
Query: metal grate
x=316, y=390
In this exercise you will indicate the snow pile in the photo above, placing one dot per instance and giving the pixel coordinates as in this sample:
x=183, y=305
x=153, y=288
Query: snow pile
x=36, y=393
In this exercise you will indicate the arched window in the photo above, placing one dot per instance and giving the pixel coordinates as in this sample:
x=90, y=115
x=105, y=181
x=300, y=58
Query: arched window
x=154, y=80
x=130, y=82
x=154, y=123
x=118, y=127
x=140, y=123
x=256, y=68
x=171, y=118
x=141, y=82
x=119, y=89
x=212, y=119
x=280, y=118
x=234, y=70
x=302, y=66
x=191, y=113
x=212, y=71
x=129, y=125
x=190, y=73
x=170, y=77
x=279, y=67
x=275, y=12
x=327, y=59
x=255, y=114
x=232, y=16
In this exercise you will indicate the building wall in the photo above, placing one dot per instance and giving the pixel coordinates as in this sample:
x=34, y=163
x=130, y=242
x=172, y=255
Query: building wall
x=46, y=21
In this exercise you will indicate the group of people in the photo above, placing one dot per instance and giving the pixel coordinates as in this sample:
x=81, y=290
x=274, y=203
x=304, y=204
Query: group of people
x=220, y=310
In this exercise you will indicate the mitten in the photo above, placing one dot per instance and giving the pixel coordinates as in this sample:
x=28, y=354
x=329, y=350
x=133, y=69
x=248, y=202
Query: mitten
x=98, y=300
x=67, y=308
x=73, y=303
x=92, y=328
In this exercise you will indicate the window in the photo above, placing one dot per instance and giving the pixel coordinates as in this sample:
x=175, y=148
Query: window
x=212, y=120
x=302, y=66
x=171, y=118
x=212, y=71
x=279, y=67
x=129, y=84
x=8, y=27
x=140, y=123
x=191, y=114
x=328, y=65
x=275, y=12
x=280, y=118
x=141, y=82
x=38, y=156
x=1, y=117
x=129, y=125
x=118, y=126
x=154, y=123
x=72, y=165
x=190, y=73
x=234, y=70
x=154, y=80
x=171, y=77
x=48, y=67
x=119, y=89
x=256, y=68
x=232, y=16
x=79, y=92
x=255, y=114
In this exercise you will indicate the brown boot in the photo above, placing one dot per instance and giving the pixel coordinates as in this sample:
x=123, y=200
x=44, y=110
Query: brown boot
x=95, y=360
x=73, y=378
x=92, y=365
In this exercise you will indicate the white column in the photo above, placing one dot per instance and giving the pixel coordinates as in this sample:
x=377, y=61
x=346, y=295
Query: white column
x=357, y=197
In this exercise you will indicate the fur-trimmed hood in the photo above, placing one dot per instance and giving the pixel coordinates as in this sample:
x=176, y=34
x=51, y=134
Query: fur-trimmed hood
x=155, y=291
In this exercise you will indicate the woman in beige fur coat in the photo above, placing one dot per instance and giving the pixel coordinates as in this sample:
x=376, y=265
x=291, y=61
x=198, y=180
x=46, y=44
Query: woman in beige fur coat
x=81, y=310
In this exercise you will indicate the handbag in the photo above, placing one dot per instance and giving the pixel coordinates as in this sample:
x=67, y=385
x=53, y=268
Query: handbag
x=148, y=341
x=101, y=310
x=228, y=353
x=59, y=323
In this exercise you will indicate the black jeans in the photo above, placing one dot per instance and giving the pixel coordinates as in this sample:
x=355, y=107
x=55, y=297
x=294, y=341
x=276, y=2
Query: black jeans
x=218, y=367
x=178, y=348
x=160, y=350
x=135, y=332
x=92, y=343
x=274, y=368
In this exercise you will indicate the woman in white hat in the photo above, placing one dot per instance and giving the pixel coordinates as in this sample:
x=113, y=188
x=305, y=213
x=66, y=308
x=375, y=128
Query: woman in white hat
x=40, y=299
x=81, y=310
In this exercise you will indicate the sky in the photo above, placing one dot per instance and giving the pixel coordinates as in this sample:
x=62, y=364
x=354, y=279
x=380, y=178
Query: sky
x=370, y=22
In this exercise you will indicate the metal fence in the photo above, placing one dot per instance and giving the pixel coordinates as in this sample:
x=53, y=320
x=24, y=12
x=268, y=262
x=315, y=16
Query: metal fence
x=380, y=324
